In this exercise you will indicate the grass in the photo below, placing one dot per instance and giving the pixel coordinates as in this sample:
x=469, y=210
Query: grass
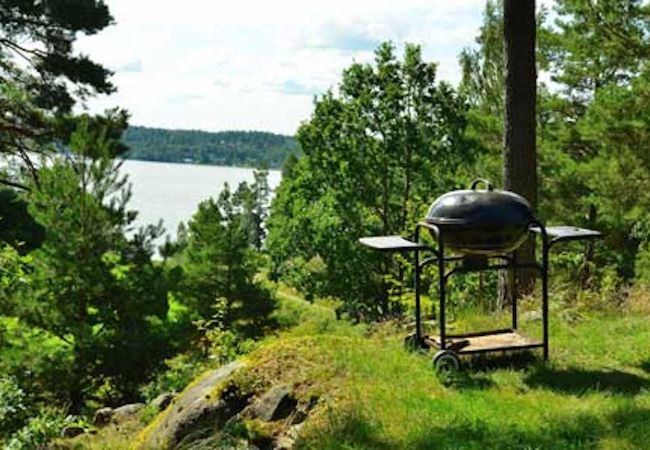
x=372, y=394
x=111, y=437
x=594, y=394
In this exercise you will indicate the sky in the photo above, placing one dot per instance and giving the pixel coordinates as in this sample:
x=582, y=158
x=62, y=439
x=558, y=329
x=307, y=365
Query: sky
x=257, y=65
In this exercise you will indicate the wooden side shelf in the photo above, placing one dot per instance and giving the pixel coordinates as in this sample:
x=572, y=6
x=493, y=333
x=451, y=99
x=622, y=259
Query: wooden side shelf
x=510, y=340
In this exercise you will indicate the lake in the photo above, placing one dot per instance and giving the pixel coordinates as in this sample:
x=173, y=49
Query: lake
x=172, y=192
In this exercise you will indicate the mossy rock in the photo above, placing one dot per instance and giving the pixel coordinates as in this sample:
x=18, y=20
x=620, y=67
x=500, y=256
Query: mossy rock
x=202, y=408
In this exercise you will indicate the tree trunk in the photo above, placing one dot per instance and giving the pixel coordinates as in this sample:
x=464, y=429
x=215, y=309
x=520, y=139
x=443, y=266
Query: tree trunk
x=520, y=152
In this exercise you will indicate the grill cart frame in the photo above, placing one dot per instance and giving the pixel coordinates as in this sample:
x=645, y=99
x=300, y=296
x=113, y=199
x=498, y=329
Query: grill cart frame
x=451, y=346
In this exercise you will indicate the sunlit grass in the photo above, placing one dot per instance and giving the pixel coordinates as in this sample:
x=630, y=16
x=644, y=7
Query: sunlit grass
x=373, y=394
x=595, y=393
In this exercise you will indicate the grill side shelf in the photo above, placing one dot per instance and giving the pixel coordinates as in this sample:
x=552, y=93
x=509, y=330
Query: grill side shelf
x=563, y=233
x=392, y=243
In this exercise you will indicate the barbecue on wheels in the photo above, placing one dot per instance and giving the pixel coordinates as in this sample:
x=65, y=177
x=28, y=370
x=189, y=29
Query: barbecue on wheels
x=446, y=362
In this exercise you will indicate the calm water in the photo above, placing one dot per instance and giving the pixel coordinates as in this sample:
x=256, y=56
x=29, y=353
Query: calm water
x=172, y=192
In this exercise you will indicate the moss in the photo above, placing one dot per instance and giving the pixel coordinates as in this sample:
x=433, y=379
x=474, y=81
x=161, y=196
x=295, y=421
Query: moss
x=144, y=436
x=261, y=433
x=595, y=392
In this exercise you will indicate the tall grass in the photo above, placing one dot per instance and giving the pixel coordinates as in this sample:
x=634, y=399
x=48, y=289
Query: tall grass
x=595, y=393
x=373, y=394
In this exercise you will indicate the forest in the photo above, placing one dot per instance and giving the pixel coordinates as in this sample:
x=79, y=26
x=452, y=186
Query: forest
x=226, y=148
x=89, y=319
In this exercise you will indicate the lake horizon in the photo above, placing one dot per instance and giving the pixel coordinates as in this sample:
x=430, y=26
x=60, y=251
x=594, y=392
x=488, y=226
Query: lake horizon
x=173, y=191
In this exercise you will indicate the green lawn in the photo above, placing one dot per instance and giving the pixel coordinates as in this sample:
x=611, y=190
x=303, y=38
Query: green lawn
x=373, y=394
x=595, y=392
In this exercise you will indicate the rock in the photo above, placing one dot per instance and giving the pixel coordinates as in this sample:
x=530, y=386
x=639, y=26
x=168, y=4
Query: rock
x=126, y=412
x=276, y=404
x=162, y=401
x=72, y=431
x=205, y=405
x=102, y=416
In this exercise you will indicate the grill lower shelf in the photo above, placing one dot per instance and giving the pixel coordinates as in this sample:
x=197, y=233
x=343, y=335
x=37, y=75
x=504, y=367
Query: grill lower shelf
x=502, y=340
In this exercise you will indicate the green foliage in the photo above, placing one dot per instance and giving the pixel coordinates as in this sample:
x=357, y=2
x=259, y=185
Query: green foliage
x=177, y=373
x=39, y=430
x=598, y=43
x=254, y=202
x=13, y=274
x=39, y=361
x=14, y=410
x=42, y=76
x=642, y=265
x=18, y=228
x=374, y=157
x=220, y=265
x=592, y=143
x=227, y=148
x=93, y=288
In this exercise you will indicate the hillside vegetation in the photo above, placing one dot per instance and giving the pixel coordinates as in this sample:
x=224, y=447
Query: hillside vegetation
x=373, y=394
x=225, y=148
x=97, y=336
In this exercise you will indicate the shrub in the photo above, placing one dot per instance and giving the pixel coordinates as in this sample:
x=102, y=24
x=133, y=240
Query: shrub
x=181, y=370
x=13, y=407
x=39, y=430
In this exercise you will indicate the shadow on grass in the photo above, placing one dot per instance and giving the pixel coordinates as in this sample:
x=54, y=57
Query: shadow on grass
x=351, y=430
x=645, y=366
x=578, y=432
x=474, y=372
x=577, y=381
x=625, y=427
x=505, y=360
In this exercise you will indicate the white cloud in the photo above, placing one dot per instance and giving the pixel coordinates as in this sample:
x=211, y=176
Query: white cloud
x=253, y=64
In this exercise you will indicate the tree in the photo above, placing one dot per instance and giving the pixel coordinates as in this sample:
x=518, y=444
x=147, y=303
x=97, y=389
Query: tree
x=594, y=149
x=229, y=148
x=373, y=159
x=90, y=285
x=483, y=67
x=220, y=268
x=254, y=200
x=596, y=43
x=17, y=227
x=482, y=84
x=41, y=77
x=520, y=147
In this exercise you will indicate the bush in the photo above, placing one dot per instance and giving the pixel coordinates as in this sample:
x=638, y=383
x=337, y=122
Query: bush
x=13, y=407
x=40, y=430
x=181, y=370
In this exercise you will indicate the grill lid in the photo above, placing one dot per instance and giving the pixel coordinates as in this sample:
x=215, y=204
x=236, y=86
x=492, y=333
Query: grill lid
x=485, y=221
x=489, y=208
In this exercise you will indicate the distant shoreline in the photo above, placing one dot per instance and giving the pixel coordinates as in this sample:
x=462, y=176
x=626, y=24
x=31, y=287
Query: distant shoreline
x=249, y=149
x=191, y=163
x=208, y=164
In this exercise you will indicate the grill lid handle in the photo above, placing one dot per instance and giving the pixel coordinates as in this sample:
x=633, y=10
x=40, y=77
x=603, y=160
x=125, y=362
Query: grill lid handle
x=476, y=182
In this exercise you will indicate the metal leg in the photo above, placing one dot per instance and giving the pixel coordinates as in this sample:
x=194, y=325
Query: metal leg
x=545, y=251
x=442, y=287
x=514, y=293
x=416, y=287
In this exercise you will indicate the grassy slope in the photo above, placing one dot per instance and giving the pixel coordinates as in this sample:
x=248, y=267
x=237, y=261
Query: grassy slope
x=594, y=394
x=591, y=396
x=374, y=395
